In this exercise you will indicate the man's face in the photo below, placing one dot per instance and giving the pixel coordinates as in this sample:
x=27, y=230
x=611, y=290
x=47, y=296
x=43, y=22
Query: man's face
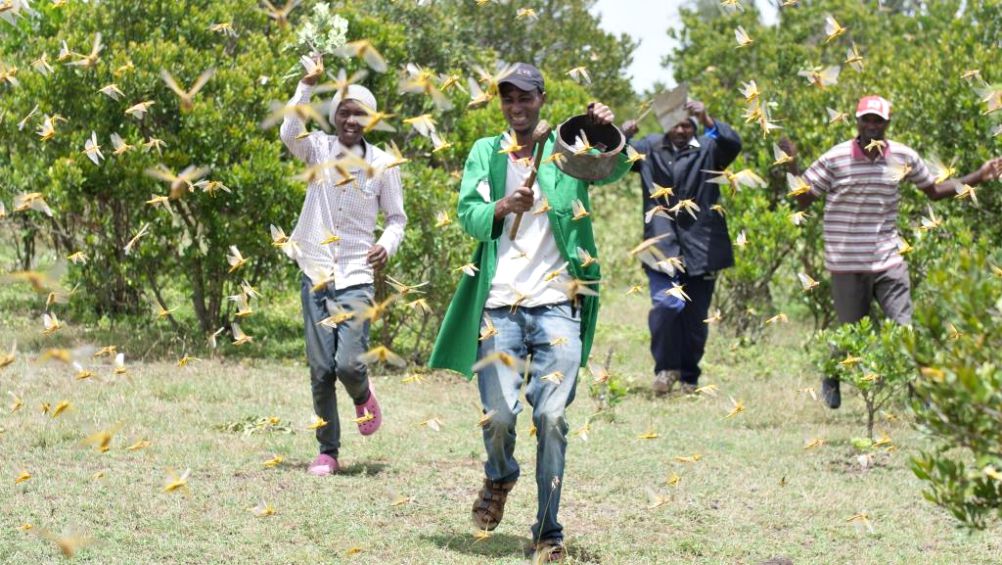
x=681, y=133
x=347, y=122
x=521, y=108
x=871, y=126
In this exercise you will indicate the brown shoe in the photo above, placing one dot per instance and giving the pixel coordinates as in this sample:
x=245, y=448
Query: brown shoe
x=664, y=381
x=488, y=508
x=549, y=551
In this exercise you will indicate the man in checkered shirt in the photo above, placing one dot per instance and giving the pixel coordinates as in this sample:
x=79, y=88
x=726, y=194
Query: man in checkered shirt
x=859, y=180
x=335, y=246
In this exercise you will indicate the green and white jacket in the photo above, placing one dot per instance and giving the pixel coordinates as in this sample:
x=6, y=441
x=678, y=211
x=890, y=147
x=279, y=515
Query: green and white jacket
x=456, y=345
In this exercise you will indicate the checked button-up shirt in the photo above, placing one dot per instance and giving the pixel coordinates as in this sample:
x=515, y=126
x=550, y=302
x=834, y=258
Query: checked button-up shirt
x=337, y=224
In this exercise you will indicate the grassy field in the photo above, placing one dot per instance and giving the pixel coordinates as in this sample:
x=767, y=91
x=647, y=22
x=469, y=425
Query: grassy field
x=404, y=497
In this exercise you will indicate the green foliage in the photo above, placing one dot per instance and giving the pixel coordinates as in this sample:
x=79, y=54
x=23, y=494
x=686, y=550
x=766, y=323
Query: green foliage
x=101, y=207
x=562, y=36
x=182, y=261
x=915, y=54
x=956, y=342
x=935, y=112
x=606, y=389
x=747, y=286
x=869, y=357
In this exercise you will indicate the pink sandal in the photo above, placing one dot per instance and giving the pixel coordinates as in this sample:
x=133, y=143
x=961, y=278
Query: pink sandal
x=369, y=417
x=323, y=466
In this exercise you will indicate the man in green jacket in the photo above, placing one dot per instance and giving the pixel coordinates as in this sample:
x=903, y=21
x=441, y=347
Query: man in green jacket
x=524, y=311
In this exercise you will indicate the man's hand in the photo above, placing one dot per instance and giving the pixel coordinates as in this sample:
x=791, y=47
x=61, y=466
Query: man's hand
x=788, y=147
x=630, y=128
x=311, y=79
x=991, y=170
x=600, y=113
x=698, y=109
x=377, y=257
x=519, y=201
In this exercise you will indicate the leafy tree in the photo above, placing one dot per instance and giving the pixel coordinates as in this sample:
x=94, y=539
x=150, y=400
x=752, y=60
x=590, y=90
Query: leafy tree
x=915, y=54
x=100, y=207
x=558, y=36
x=935, y=110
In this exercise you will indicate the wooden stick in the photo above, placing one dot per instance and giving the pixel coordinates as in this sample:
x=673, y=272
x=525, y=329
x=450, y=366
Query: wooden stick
x=540, y=145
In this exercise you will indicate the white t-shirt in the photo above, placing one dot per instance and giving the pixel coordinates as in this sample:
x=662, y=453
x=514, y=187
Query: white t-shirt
x=524, y=264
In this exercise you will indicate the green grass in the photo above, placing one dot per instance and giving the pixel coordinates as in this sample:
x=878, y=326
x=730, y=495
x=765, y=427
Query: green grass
x=755, y=493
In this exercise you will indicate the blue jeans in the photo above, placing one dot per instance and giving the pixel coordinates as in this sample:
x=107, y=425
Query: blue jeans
x=531, y=331
x=332, y=354
x=678, y=332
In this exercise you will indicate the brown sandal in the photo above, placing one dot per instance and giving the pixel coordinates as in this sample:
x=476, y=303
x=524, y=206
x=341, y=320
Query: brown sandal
x=549, y=551
x=488, y=509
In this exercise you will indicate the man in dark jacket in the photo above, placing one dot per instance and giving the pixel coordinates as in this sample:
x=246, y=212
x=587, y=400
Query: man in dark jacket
x=693, y=243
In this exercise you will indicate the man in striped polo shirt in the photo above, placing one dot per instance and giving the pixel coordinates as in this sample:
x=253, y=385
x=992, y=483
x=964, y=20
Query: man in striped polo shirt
x=859, y=180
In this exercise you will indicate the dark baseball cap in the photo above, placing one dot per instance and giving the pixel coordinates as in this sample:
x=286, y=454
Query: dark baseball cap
x=524, y=76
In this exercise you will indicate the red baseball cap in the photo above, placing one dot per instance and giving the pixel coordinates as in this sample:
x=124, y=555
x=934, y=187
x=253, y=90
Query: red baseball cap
x=874, y=105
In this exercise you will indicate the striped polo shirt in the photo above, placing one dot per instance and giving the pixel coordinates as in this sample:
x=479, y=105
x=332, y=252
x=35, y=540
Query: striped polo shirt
x=861, y=203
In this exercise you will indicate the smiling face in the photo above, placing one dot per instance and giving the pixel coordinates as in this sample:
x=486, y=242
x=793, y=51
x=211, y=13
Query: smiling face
x=347, y=123
x=521, y=108
x=870, y=127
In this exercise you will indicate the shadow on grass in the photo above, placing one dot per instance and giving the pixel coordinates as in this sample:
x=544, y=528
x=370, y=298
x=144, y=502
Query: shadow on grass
x=501, y=545
x=496, y=546
x=357, y=469
x=645, y=392
x=364, y=468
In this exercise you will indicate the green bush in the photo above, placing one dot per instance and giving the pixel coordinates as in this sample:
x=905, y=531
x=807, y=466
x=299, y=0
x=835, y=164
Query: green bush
x=99, y=208
x=182, y=263
x=935, y=111
x=915, y=54
x=870, y=357
x=956, y=342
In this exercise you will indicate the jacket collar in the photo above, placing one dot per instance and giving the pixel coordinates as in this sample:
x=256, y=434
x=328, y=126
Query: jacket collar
x=499, y=168
x=667, y=144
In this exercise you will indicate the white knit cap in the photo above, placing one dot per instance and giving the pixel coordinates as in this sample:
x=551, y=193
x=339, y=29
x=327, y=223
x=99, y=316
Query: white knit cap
x=354, y=92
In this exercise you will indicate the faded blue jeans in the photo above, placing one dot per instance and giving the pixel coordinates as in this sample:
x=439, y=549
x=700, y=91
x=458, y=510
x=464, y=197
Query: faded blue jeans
x=552, y=335
x=332, y=354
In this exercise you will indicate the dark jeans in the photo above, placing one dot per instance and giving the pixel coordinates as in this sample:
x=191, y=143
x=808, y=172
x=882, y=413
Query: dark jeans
x=332, y=354
x=678, y=332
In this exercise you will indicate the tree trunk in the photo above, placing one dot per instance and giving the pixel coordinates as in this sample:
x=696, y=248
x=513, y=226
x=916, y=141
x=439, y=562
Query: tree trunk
x=871, y=410
x=198, y=294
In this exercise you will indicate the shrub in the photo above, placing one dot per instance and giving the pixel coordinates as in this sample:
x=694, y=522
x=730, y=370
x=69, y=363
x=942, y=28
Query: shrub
x=958, y=334
x=869, y=357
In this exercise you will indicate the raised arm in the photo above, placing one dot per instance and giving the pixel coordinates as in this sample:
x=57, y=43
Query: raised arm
x=991, y=170
x=642, y=145
x=293, y=130
x=818, y=175
x=727, y=145
x=805, y=200
x=293, y=127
